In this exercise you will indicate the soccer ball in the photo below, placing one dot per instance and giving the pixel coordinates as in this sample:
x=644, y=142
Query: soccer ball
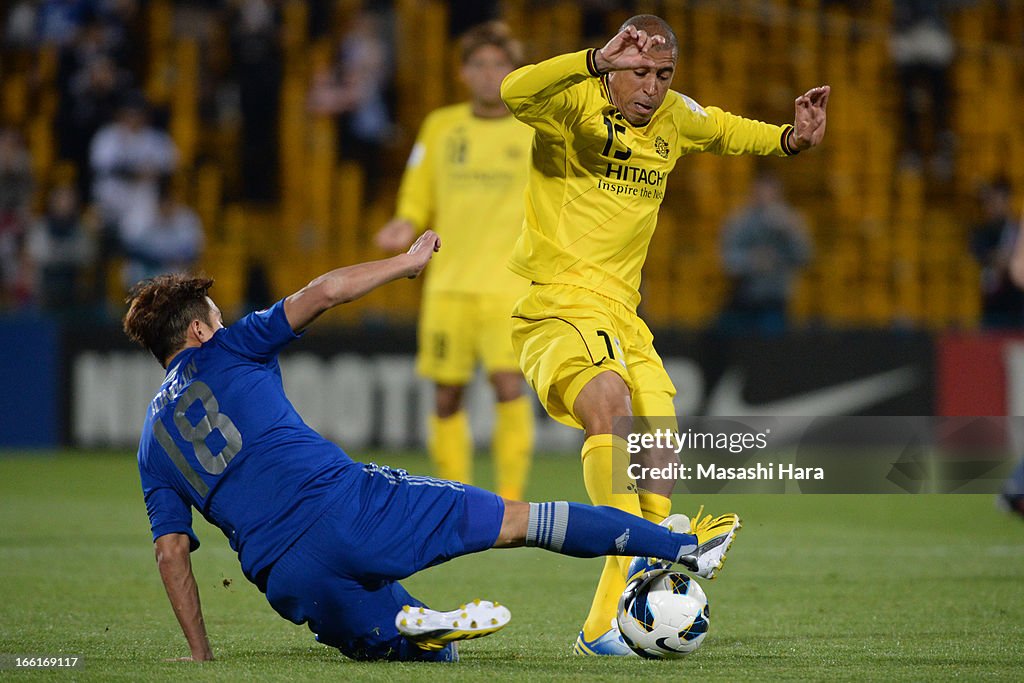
x=663, y=614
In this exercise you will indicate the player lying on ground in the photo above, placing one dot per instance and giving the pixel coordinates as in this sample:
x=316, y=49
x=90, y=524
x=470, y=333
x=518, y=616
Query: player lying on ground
x=607, y=132
x=326, y=538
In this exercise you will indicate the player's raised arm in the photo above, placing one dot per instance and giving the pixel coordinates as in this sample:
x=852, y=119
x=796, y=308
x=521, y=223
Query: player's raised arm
x=720, y=132
x=536, y=92
x=173, y=560
x=346, y=284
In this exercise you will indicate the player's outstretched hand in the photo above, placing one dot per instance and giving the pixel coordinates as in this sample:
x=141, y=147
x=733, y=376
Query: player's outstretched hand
x=422, y=250
x=627, y=50
x=809, y=123
x=395, y=235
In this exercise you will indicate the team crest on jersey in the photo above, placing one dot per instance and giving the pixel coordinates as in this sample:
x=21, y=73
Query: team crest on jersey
x=661, y=147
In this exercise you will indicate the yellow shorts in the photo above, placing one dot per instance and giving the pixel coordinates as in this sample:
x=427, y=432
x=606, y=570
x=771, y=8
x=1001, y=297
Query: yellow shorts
x=565, y=336
x=456, y=331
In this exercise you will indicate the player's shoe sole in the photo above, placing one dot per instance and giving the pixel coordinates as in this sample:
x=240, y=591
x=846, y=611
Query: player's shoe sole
x=608, y=644
x=433, y=630
x=714, y=537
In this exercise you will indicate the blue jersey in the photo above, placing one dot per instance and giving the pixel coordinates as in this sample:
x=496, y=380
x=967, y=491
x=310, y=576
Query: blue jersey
x=222, y=437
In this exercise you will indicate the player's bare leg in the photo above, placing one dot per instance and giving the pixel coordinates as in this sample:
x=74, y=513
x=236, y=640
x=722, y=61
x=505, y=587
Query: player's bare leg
x=605, y=459
x=450, y=442
x=448, y=399
x=512, y=441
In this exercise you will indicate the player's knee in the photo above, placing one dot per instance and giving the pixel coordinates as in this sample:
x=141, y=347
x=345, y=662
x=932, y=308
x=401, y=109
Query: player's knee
x=447, y=399
x=508, y=386
x=513, y=525
x=602, y=400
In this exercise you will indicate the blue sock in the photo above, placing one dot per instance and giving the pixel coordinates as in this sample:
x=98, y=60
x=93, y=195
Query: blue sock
x=591, y=531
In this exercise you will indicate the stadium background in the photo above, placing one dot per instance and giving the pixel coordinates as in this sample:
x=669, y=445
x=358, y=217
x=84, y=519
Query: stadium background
x=892, y=260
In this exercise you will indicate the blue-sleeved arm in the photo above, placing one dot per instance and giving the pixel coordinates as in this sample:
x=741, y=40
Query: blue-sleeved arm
x=259, y=336
x=169, y=514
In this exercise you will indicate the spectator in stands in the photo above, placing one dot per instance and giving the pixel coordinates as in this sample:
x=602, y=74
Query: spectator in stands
x=992, y=242
x=764, y=245
x=58, y=21
x=356, y=91
x=465, y=14
x=20, y=26
x=128, y=156
x=124, y=30
x=61, y=250
x=165, y=238
x=257, y=69
x=923, y=50
x=91, y=100
x=15, y=198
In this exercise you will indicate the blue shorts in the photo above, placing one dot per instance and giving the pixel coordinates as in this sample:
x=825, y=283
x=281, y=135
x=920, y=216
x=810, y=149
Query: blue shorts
x=341, y=576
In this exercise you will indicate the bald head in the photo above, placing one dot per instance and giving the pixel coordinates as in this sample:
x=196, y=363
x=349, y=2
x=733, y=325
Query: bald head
x=653, y=25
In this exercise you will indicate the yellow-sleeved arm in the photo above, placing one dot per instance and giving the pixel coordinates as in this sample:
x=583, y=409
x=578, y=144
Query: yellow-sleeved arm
x=540, y=94
x=416, y=193
x=736, y=135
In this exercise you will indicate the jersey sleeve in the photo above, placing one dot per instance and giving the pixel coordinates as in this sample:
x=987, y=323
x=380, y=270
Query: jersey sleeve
x=541, y=95
x=168, y=512
x=259, y=336
x=719, y=132
x=416, y=193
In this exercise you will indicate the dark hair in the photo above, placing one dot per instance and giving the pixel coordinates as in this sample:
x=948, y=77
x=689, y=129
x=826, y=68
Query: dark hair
x=161, y=309
x=496, y=33
x=654, y=25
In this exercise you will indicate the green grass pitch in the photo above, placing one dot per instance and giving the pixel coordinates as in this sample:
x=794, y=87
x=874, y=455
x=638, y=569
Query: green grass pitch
x=816, y=588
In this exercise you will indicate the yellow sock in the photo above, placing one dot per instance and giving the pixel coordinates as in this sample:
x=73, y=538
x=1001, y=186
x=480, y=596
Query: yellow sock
x=512, y=446
x=655, y=506
x=451, y=447
x=604, y=454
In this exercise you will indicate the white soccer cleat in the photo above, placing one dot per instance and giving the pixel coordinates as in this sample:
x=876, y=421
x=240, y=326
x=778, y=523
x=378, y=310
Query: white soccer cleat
x=714, y=536
x=433, y=630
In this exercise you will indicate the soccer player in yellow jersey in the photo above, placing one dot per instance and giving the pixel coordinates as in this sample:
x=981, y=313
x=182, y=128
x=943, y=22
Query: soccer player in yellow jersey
x=465, y=180
x=607, y=132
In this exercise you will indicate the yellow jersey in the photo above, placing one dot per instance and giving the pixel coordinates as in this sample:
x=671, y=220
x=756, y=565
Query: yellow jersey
x=596, y=182
x=465, y=179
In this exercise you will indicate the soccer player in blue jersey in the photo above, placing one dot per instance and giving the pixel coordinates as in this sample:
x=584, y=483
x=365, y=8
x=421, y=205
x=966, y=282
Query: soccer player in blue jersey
x=324, y=537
